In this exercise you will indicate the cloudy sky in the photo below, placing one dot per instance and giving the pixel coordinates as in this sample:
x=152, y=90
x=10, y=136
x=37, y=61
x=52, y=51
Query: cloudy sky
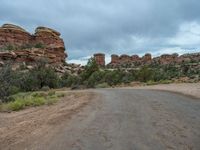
x=112, y=26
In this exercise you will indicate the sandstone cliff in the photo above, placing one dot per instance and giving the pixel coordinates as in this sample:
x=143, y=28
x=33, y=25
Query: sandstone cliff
x=17, y=45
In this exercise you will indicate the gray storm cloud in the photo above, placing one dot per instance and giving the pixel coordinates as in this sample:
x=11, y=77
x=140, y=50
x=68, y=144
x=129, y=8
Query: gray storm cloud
x=114, y=26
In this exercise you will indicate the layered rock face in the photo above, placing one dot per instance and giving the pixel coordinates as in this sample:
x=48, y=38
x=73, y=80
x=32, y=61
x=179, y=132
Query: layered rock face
x=17, y=45
x=147, y=59
x=126, y=59
x=100, y=59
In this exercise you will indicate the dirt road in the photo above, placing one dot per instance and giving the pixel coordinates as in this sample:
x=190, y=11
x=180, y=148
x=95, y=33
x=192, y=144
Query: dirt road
x=127, y=119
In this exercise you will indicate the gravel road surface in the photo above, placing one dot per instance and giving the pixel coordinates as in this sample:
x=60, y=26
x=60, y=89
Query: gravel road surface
x=130, y=119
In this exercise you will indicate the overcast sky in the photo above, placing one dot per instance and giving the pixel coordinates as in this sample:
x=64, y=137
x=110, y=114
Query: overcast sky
x=112, y=26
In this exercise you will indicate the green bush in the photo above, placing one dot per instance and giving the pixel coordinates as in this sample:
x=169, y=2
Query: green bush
x=39, y=94
x=61, y=95
x=12, y=82
x=165, y=81
x=8, y=84
x=113, y=77
x=90, y=68
x=102, y=85
x=150, y=82
x=23, y=100
x=38, y=101
x=51, y=93
x=45, y=88
x=16, y=105
x=145, y=74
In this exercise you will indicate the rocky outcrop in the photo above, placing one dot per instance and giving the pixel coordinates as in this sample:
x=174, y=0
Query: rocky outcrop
x=114, y=59
x=100, y=59
x=49, y=37
x=126, y=59
x=165, y=59
x=147, y=59
x=17, y=45
x=13, y=35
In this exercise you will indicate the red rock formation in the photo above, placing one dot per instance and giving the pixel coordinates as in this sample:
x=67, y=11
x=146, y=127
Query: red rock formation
x=125, y=58
x=13, y=35
x=23, y=45
x=168, y=59
x=135, y=57
x=49, y=37
x=146, y=59
x=100, y=59
x=164, y=59
x=114, y=59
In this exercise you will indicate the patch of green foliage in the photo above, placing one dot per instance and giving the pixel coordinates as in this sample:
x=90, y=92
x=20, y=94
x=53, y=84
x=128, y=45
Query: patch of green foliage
x=45, y=78
x=40, y=78
x=31, y=99
x=102, y=85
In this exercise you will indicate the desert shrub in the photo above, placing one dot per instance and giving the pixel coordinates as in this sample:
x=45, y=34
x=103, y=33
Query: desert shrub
x=8, y=84
x=73, y=80
x=165, y=81
x=102, y=85
x=63, y=81
x=46, y=77
x=39, y=94
x=68, y=80
x=127, y=77
x=38, y=101
x=45, y=88
x=145, y=74
x=16, y=105
x=61, y=95
x=90, y=68
x=95, y=78
x=151, y=82
x=113, y=77
x=171, y=71
x=29, y=82
x=51, y=93
x=30, y=99
x=39, y=77
x=21, y=103
x=12, y=82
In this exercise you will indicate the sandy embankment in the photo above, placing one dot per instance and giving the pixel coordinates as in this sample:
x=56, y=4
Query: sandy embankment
x=190, y=89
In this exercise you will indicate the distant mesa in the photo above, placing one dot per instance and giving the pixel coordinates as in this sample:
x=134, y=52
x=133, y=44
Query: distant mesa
x=147, y=59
